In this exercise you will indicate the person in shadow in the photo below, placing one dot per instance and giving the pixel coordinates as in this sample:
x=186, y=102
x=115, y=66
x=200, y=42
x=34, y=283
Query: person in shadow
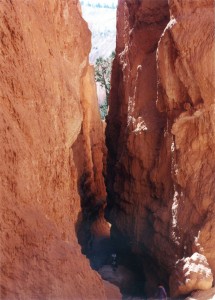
x=161, y=293
x=114, y=263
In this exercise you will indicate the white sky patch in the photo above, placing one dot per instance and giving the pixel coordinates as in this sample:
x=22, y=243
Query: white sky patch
x=101, y=18
x=102, y=2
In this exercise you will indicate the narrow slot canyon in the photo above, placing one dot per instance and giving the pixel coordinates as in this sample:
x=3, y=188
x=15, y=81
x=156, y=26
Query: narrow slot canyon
x=107, y=199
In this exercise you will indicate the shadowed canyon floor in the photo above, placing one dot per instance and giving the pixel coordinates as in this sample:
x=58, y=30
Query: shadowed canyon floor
x=125, y=275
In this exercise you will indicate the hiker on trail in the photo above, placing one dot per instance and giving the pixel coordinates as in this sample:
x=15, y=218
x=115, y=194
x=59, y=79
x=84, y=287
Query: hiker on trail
x=114, y=262
x=161, y=293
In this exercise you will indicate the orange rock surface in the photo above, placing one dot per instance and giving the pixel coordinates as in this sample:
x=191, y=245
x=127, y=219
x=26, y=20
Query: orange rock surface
x=134, y=127
x=46, y=99
x=187, y=94
x=161, y=132
x=202, y=295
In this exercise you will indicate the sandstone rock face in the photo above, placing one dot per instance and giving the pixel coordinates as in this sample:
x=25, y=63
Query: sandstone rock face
x=187, y=96
x=134, y=125
x=202, y=295
x=46, y=100
x=161, y=131
x=192, y=273
x=111, y=291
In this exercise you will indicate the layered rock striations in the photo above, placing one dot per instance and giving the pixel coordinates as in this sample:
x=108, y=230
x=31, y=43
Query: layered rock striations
x=134, y=124
x=161, y=132
x=187, y=95
x=46, y=100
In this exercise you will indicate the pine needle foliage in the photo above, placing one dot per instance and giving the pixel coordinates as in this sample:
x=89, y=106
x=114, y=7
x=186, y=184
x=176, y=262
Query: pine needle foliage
x=103, y=68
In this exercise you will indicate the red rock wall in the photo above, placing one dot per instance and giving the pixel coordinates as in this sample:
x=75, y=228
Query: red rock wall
x=160, y=133
x=134, y=124
x=186, y=93
x=46, y=100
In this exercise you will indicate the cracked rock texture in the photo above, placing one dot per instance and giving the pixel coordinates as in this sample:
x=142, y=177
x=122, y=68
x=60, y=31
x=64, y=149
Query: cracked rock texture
x=191, y=273
x=47, y=97
x=161, y=132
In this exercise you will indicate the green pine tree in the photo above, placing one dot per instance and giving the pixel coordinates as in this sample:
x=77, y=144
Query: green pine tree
x=103, y=68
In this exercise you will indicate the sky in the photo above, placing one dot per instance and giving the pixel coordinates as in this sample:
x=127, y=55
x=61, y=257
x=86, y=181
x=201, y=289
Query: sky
x=109, y=2
x=102, y=23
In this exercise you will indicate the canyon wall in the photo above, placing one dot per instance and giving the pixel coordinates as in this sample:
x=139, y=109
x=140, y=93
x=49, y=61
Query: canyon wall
x=161, y=135
x=47, y=100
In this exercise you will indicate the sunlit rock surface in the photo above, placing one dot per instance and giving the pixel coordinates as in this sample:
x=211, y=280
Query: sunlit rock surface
x=186, y=93
x=202, y=295
x=190, y=274
x=47, y=100
x=161, y=132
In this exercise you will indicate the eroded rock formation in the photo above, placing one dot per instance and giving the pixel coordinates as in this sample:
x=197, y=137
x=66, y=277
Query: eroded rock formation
x=190, y=274
x=134, y=125
x=46, y=100
x=161, y=132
